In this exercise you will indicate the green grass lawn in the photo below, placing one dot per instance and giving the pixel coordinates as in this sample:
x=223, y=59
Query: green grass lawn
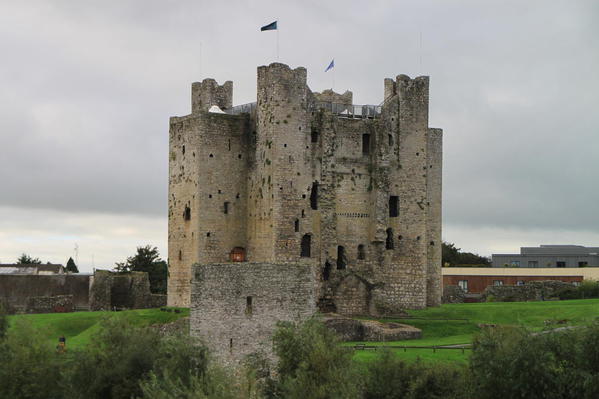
x=531, y=315
x=78, y=327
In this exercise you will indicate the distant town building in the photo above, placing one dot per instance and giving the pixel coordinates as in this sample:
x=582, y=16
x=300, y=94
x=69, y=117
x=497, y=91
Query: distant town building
x=32, y=269
x=549, y=256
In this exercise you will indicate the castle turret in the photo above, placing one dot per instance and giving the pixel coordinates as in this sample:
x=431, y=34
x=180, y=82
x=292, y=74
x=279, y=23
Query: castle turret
x=207, y=93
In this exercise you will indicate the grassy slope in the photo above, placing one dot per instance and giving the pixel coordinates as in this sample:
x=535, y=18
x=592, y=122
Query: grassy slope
x=437, y=332
x=79, y=327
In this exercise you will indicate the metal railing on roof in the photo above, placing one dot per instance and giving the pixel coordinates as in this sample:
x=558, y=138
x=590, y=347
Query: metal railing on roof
x=241, y=109
x=342, y=110
x=351, y=111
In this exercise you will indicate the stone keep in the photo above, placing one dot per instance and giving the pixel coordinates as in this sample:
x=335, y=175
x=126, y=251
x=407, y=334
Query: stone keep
x=306, y=178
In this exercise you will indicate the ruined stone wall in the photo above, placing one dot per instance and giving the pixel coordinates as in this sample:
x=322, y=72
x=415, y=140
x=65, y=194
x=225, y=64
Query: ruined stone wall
x=235, y=306
x=50, y=304
x=208, y=93
x=121, y=291
x=15, y=290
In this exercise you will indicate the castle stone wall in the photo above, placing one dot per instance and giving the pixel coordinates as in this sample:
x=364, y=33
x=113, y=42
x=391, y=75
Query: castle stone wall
x=235, y=306
x=315, y=177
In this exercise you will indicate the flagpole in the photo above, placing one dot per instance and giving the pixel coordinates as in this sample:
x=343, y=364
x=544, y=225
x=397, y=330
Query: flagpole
x=277, y=43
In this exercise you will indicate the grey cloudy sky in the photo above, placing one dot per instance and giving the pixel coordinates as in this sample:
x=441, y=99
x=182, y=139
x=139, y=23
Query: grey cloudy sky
x=87, y=88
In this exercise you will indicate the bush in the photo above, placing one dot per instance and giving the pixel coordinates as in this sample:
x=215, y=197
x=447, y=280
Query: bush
x=3, y=323
x=312, y=364
x=29, y=367
x=509, y=362
x=122, y=357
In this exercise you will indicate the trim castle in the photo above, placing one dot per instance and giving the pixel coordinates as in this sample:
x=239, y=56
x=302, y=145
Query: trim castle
x=302, y=201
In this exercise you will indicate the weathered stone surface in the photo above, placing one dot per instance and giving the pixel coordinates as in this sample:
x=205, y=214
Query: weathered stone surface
x=110, y=291
x=289, y=171
x=370, y=330
x=532, y=291
x=236, y=306
x=453, y=294
x=50, y=304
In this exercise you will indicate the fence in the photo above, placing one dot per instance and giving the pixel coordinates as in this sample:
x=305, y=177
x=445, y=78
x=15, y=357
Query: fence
x=342, y=110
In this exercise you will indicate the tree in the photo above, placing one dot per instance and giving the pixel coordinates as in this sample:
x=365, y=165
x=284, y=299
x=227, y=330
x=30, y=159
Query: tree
x=452, y=256
x=25, y=259
x=147, y=259
x=71, y=266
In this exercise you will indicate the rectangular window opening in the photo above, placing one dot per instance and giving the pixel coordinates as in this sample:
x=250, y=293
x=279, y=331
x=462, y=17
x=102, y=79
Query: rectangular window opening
x=226, y=208
x=463, y=284
x=393, y=206
x=248, y=305
x=365, y=144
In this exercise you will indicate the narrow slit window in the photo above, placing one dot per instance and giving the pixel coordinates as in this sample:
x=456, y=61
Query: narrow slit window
x=248, y=305
x=365, y=144
x=341, y=261
x=314, y=136
x=296, y=225
x=390, y=140
x=389, y=242
x=187, y=213
x=361, y=252
x=326, y=272
x=393, y=206
x=305, y=246
x=314, y=196
x=226, y=208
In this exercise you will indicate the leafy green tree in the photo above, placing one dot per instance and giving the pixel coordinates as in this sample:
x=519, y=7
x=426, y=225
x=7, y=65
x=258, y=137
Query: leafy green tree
x=147, y=259
x=25, y=259
x=71, y=266
x=452, y=256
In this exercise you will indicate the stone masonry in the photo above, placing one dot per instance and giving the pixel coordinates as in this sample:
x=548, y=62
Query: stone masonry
x=306, y=179
x=236, y=306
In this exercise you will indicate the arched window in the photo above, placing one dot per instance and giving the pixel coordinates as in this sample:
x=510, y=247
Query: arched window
x=341, y=260
x=187, y=213
x=306, y=243
x=389, y=241
x=314, y=196
x=326, y=272
x=361, y=252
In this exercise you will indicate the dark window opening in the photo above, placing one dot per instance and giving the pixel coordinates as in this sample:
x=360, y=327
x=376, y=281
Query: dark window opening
x=180, y=255
x=326, y=272
x=583, y=264
x=211, y=156
x=187, y=213
x=208, y=234
x=303, y=213
x=393, y=206
x=560, y=264
x=314, y=136
x=390, y=140
x=314, y=196
x=296, y=225
x=305, y=246
x=183, y=150
x=361, y=252
x=389, y=242
x=248, y=305
x=231, y=345
x=341, y=261
x=226, y=208
x=229, y=144
x=365, y=144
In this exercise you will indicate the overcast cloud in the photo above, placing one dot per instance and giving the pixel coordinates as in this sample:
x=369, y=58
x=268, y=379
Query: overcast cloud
x=87, y=88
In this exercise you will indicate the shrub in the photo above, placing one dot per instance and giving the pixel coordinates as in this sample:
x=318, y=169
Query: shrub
x=312, y=364
x=3, y=323
x=508, y=363
x=122, y=357
x=29, y=366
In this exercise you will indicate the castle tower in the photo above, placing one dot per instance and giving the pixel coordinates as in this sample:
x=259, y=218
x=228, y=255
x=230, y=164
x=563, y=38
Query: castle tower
x=299, y=178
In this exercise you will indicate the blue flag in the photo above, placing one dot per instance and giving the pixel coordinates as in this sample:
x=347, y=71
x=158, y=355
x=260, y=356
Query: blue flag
x=271, y=26
x=331, y=65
